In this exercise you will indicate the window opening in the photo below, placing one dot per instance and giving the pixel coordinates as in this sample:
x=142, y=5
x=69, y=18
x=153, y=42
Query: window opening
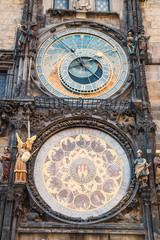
x=61, y=4
x=3, y=79
x=102, y=5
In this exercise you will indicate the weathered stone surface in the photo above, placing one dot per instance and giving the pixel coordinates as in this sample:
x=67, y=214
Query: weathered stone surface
x=151, y=16
x=79, y=237
x=10, y=17
x=153, y=83
x=151, y=21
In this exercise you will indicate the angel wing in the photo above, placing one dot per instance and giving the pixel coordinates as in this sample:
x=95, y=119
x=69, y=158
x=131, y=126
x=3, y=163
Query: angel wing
x=20, y=143
x=30, y=141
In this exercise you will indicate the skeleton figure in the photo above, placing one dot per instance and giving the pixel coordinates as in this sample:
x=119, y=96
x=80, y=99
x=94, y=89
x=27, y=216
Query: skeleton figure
x=23, y=156
x=131, y=42
x=82, y=5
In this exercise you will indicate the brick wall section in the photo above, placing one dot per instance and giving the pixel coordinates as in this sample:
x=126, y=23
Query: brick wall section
x=10, y=16
x=151, y=22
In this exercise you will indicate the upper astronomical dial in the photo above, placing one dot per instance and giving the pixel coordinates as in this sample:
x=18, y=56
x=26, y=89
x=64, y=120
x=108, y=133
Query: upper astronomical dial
x=82, y=63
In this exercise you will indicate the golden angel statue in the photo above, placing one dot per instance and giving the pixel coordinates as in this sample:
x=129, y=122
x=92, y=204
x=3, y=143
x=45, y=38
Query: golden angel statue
x=23, y=155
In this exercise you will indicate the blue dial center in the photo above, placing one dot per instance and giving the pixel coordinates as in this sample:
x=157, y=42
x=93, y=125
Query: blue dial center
x=85, y=70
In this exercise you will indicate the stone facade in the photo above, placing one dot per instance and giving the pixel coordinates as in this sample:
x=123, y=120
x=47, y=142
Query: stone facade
x=10, y=17
x=151, y=21
x=29, y=108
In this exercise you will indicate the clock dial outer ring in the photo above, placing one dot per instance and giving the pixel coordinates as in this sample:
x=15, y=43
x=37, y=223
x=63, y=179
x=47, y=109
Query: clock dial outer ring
x=81, y=214
x=40, y=68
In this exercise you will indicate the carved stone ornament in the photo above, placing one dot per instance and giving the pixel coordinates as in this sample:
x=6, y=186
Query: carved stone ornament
x=66, y=125
x=84, y=5
x=6, y=56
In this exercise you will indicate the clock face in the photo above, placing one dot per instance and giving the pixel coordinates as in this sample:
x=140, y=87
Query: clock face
x=82, y=172
x=82, y=62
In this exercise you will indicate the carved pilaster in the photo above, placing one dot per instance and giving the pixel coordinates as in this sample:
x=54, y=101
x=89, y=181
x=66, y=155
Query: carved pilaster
x=145, y=195
x=3, y=194
x=18, y=194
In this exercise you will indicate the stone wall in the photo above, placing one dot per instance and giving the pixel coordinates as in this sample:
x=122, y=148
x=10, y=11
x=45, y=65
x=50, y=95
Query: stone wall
x=151, y=21
x=10, y=17
x=44, y=236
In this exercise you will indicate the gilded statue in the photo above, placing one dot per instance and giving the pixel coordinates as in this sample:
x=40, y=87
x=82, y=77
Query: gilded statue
x=131, y=42
x=157, y=167
x=23, y=155
x=6, y=160
x=141, y=169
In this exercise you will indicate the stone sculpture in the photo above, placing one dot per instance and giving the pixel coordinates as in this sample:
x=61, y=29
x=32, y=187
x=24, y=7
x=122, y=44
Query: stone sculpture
x=157, y=167
x=141, y=169
x=6, y=163
x=23, y=156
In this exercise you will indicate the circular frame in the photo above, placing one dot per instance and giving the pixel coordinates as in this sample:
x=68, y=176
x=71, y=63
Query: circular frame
x=109, y=90
x=44, y=155
x=115, y=133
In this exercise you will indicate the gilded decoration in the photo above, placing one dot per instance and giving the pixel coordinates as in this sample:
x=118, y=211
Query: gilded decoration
x=82, y=171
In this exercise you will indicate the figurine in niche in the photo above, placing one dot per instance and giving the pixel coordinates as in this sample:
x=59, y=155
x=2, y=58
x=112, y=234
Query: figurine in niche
x=30, y=216
x=22, y=36
x=82, y=5
x=142, y=39
x=32, y=37
x=23, y=156
x=141, y=169
x=131, y=42
x=6, y=160
x=126, y=122
x=157, y=167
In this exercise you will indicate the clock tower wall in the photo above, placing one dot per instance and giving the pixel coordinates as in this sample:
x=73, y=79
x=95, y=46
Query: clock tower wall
x=84, y=6
x=113, y=16
x=78, y=78
x=151, y=21
x=8, y=26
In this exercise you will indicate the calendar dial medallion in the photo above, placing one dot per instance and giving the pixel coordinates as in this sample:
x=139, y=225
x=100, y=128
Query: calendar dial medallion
x=82, y=62
x=82, y=172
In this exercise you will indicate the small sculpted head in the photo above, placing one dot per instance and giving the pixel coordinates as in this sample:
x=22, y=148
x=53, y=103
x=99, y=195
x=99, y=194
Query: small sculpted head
x=139, y=153
x=6, y=149
x=158, y=153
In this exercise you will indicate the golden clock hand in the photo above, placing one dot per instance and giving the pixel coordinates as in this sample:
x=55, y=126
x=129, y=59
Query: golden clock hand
x=111, y=51
x=77, y=64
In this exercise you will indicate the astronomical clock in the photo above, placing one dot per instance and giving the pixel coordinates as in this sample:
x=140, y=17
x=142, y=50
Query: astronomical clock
x=76, y=84
x=82, y=173
x=82, y=62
